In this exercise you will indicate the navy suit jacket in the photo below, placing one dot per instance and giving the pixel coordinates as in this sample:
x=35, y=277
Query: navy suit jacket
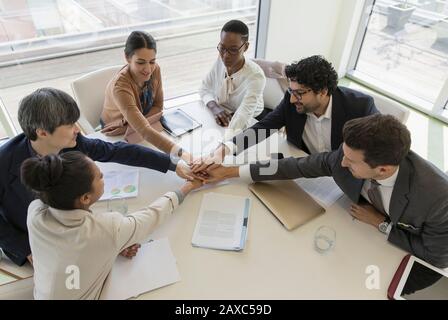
x=347, y=104
x=15, y=197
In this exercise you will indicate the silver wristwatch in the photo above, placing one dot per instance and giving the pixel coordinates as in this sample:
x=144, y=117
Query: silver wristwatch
x=383, y=226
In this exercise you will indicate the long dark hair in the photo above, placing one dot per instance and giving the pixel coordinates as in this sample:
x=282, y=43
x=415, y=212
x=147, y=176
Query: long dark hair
x=138, y=40
x=59, y=180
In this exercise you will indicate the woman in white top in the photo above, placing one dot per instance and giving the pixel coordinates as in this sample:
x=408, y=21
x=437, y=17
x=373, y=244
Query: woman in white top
x=233, y=89
x=65, y=235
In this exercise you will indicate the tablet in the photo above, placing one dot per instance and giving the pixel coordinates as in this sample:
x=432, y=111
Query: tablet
x=422, y=281
x=178, y=123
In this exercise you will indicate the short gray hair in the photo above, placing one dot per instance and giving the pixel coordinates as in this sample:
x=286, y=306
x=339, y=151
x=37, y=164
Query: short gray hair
x=46, y=109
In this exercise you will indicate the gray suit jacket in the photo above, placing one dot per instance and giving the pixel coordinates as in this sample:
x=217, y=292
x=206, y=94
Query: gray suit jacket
x=418, y=207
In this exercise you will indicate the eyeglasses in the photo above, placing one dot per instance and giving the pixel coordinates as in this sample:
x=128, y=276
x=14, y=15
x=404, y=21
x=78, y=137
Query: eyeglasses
x=231, y=51
x=297, y=93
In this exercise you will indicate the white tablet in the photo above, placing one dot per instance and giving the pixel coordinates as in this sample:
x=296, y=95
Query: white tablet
x=422, y=281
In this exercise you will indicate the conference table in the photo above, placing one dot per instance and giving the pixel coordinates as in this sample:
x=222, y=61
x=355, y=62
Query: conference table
x=276, y=263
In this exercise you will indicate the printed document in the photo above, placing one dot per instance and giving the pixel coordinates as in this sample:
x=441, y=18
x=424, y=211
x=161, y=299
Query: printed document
x=323, y=189
x=121, y=183
x=222, y=222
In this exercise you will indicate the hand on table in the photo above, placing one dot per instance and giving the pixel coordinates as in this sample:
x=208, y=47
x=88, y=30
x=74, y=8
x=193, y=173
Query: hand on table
x=131, y=251
x=367, y=213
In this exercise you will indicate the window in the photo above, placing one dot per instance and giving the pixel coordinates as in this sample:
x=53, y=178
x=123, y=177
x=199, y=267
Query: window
x=402, y=51
x=52, y=42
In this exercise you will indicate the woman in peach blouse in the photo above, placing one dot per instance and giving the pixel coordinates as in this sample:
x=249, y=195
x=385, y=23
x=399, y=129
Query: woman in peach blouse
x=135, y=94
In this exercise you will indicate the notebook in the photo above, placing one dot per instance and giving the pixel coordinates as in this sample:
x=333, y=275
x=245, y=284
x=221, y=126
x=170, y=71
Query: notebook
x=178, y=123
x=291, y=205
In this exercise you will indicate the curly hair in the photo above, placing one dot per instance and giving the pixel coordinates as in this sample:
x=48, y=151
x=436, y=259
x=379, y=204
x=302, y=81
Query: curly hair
x=313, y=72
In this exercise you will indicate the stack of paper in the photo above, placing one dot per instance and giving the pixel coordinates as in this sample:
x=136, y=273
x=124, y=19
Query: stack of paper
x=222, y=222
x=152, y=268
x=323, y=189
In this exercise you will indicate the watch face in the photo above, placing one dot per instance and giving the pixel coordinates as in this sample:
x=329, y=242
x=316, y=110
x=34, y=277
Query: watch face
x=383, y=226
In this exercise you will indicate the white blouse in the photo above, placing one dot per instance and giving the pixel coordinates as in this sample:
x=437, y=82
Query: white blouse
x=66, y=240
x=242, y=92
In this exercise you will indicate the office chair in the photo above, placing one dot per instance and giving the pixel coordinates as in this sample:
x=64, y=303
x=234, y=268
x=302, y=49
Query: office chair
x=6, y=122
x=386, y=105
x=276, y=82
x=89, y=94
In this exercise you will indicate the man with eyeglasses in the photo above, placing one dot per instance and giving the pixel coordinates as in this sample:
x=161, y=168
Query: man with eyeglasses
x=313, y=112
x=233, y=89
x=391, y=188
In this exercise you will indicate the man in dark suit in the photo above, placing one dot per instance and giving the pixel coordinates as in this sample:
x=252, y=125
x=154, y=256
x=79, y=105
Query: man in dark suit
x=405, y=196
x=313, y=112
x=48, y=120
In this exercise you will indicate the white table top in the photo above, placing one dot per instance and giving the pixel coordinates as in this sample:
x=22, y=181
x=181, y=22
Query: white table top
x=276, y=263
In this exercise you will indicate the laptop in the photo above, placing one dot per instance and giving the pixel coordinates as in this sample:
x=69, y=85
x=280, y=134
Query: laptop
x=288, y=202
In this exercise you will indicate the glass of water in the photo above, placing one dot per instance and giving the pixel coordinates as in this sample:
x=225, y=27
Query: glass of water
x=117, y=204
x=324, y=239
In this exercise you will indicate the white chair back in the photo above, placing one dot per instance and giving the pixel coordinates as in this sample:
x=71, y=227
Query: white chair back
x=89, y=91
x=386, y=105
x=274, y=72
x=6, y=121
x=272, y=94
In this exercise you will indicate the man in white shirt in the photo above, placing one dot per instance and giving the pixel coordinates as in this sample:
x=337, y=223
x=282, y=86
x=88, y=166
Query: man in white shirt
x=233, y=89
x=406, y=197
x=313, y=112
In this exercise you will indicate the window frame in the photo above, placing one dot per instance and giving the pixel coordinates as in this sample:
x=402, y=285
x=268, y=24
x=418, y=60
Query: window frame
x=438, y=109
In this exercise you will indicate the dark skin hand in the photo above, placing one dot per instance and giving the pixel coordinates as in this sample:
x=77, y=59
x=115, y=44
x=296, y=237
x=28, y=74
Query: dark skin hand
x=222, y=116
x=131, y=251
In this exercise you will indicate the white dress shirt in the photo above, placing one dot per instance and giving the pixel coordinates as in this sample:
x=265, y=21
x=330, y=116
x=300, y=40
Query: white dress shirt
x=62, y=240
x=317, y=131
x=386, y=187
x=242, y=93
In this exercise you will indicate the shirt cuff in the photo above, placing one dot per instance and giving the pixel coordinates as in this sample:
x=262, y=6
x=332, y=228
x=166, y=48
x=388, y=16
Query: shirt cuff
x=389, y=227
x=173, y=165
x=232, y=147
x=180, y=196
x=244, y=173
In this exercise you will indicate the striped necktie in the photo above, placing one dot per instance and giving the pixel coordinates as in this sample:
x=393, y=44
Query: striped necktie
x=375, y=196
